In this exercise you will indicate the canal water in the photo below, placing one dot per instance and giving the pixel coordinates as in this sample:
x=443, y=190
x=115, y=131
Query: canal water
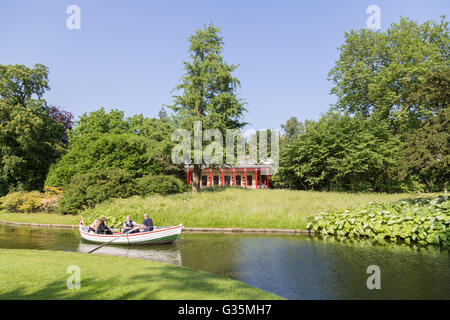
x=292, y=266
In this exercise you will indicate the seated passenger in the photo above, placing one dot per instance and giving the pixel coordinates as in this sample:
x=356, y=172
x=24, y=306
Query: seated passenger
x=103, y=228
x=129, y=225
x=94, y=226
x=148, y=223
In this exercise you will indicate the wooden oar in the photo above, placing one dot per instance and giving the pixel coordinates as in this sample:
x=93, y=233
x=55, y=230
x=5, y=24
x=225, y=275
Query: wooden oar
x=113, y=239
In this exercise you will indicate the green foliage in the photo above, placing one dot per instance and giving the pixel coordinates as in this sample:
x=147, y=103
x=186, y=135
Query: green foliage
x=138, y=145
x=378, y=72
x=340, y=152
x=19, y=84
x=424, y=221
x=88, y=189
x=293, y=128
x=12, y=201
x=127, y=151
x=159, y=184
x=29, y=139
x=30, y=201
x=426, y=152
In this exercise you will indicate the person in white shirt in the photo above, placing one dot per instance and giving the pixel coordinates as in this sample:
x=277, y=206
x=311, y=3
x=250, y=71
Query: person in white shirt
x=128, y=225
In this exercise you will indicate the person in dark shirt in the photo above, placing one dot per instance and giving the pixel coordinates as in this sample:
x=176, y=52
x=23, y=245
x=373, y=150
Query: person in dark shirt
x=148, y=223
x=103, y=228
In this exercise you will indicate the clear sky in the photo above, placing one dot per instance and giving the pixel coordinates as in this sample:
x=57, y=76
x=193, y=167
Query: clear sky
x=128, y=54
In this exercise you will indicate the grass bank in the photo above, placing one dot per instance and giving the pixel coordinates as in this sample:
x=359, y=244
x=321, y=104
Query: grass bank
x=42, y=218
x=229, y=208
x=234, y=208
x=32, y=274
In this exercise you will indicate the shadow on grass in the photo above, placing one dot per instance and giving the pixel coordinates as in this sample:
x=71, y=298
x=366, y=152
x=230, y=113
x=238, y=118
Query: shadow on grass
x=221, y=188
x=161, y=282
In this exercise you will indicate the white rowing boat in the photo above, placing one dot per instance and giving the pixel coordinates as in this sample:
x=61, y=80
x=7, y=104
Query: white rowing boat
x=159, y=235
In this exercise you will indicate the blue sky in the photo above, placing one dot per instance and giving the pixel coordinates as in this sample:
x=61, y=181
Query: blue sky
x=128, y=54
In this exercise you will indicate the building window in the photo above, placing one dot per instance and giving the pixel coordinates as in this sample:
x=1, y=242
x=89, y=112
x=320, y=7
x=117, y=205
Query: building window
x=238, y=181
x=216, y=180
x=226, y=179
x=204, y=181
x=249, y=180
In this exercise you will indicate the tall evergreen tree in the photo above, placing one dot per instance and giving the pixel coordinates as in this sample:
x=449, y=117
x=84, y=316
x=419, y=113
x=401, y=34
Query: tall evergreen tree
x=208, y=90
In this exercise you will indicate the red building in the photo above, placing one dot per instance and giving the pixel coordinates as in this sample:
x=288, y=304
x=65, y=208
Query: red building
x=248, y=176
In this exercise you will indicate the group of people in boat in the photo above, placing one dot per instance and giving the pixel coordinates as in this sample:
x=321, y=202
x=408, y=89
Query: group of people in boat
x=129, y=226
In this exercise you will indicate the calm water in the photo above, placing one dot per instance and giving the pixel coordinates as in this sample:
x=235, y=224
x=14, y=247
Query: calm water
x=295, y=267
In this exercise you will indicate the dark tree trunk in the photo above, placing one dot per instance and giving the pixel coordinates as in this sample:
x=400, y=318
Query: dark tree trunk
x=196, y=177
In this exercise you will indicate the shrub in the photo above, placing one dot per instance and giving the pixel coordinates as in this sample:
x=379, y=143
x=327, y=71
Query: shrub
x=105, y=151
x=159, y=184
x=52, y=191
x=424, y=221
x=49, y=204
x=86, y=190
x=22, y=201
x=12, y=201
x=31, y=201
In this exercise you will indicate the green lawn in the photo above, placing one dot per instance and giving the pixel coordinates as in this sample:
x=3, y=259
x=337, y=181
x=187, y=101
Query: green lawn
x=43, y=218
x=238, y=208
x=38, y=274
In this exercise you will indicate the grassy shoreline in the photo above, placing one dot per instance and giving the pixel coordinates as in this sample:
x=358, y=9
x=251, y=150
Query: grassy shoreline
x=33, y=274
x=40, y=218
x=235, y=208
x=230, y=208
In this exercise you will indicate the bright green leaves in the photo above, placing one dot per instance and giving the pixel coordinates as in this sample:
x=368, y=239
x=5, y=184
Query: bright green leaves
x=19, y=84
x=340, y=152
x=379, y=72
x=424, y=221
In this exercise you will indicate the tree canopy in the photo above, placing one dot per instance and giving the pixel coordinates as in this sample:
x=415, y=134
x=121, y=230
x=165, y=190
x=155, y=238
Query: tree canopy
x=378, y=72
x=101, y=140
x=30, y=140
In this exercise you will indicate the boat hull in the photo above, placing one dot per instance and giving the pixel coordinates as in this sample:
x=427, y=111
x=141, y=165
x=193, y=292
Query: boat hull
x=157, y=236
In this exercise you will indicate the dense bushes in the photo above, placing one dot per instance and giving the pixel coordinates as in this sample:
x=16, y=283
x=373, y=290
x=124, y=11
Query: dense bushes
x=159, y=184
x=31, y=201
x=424, y=221
x=86, y=190
x=343, y=153
x=101, y=151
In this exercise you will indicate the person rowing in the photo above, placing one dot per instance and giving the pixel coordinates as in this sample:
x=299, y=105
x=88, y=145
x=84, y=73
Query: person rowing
x=129, y=225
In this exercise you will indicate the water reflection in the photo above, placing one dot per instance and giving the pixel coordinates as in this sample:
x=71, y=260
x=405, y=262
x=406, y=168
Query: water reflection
x=156, y=253
x=295, y=267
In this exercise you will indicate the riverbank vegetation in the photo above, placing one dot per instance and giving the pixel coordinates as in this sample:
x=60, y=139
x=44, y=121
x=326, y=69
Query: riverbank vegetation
x=238, y=208
x=32, y=201
x=23, y=277
x=221, y=208
x=422, y=220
